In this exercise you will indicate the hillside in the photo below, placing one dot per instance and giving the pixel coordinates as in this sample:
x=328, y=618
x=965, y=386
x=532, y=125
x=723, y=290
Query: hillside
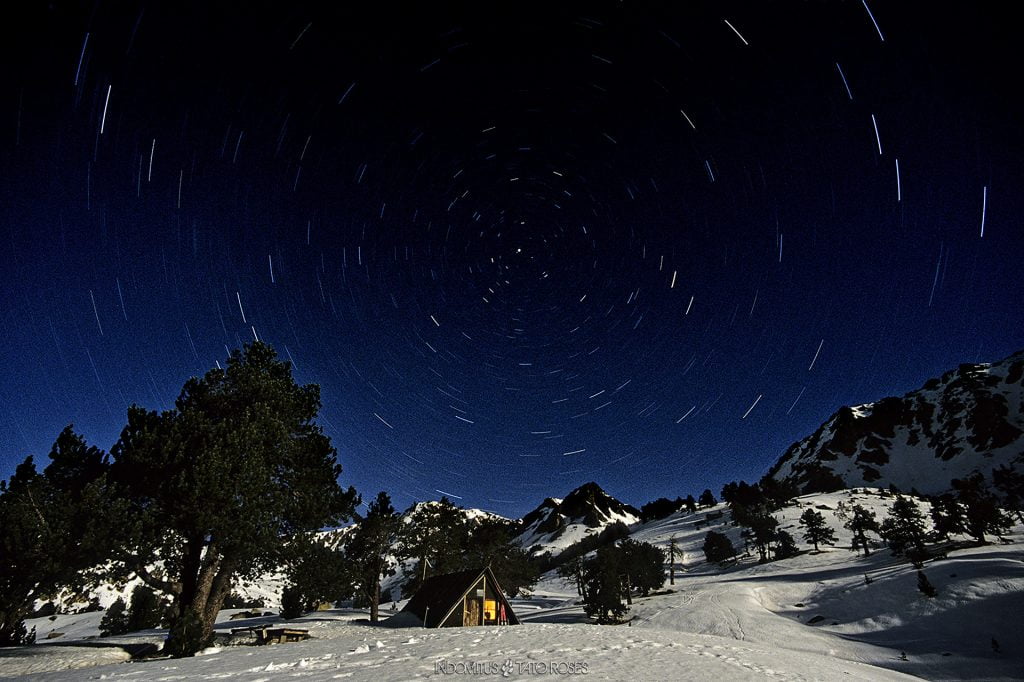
x=823, y=603
x=813, y=616
x=969, y=419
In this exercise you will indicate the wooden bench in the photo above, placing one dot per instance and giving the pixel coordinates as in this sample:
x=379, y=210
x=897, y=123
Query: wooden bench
x=280, y=635
x=265, y=635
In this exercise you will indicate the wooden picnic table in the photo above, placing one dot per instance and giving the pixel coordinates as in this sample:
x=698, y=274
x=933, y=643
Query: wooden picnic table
x=267, y=635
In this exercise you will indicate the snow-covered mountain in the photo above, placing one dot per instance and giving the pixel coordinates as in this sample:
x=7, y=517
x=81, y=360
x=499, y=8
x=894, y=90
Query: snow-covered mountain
x=969, y=419
x=557, y=523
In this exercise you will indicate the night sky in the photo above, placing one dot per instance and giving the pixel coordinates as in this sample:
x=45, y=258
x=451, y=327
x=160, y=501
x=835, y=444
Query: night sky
x=519, y=247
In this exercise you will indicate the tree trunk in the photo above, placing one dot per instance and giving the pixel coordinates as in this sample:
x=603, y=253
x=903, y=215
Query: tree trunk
x=375, y=601
x=671, y=565
x=219, y=591
x=204, y=588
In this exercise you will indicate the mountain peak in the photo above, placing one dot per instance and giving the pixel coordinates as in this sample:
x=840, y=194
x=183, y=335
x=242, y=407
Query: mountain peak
x=555, y=523
x=969, y=419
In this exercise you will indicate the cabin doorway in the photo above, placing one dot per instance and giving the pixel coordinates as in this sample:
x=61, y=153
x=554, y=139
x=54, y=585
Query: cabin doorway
x=474, y=609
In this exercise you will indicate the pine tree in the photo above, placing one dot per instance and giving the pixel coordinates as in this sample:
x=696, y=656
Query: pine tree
x=369, y=550
x=492, y=542
x=816, y=530
x=317, y=573
x=981, y=508
x=904, y=530
x=217, y=486
x=707, y=499
x=572, y=572
x=718, y=548
x=433, y=535
x=659, y=509
x=861, y=522
x=643, y=565
x=145, y=610
x=748, y=539
x=728, y=493
x=947, y=516
x=49, y=534
x=778, y=493
x=673, y=549
x=605, y=587
x=691, y=504
x=115, y=619
x=1010, y=482
x=743, y=494
x=762, y=526
x=292, y=605
x=785, y=545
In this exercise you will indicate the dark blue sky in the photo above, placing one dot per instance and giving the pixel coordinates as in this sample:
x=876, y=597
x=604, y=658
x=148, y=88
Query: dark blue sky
x=520, y=248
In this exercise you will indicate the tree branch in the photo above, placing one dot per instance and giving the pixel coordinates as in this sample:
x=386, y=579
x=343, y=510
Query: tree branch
x=173, y=588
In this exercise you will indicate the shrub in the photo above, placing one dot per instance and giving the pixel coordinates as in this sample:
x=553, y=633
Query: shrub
x=718, y=548
x=291, y=603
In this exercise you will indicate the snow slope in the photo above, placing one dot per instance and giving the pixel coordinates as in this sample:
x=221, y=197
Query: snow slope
x=821, y=603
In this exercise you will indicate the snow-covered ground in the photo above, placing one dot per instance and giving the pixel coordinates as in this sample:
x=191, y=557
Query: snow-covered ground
x=812, y=617
x=346, y=650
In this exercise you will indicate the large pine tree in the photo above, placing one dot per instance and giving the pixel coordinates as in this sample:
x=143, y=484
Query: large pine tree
x=861, y=522
x=491, y=542
x=947, y=516
x=981, y=508
x=368, y=552
x=904, y=530
x=317, y=573
x=816, y=531
x=214, y=488
x=433, y=535
x=643, y=565
x=605, y=585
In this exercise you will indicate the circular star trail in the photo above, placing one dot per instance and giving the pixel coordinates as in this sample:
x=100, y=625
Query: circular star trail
x=518, y=247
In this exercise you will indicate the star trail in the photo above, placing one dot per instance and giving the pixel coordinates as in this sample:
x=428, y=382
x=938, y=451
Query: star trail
x=519, y=247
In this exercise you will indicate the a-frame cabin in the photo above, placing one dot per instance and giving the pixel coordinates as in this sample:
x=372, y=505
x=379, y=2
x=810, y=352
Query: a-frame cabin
x=471, y=597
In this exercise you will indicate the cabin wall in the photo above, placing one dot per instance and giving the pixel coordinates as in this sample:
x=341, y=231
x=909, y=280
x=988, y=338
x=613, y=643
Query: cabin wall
x=490, y=603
